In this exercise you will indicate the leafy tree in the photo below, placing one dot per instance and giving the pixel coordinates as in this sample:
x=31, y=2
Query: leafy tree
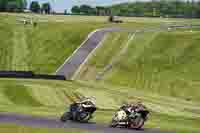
x=3, y=4
x=99, y=10
x=155, y=8
x=86, y=9
x=65, y=12
x=171, y=8
x=12, y=5
x=75, y=9
x=25, y=4
x=198, y=9
x=46, y=7
x=35, y=6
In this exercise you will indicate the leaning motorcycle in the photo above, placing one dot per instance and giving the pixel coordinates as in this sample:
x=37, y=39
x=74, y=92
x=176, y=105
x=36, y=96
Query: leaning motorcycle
x=81, y=114
x=135, y=119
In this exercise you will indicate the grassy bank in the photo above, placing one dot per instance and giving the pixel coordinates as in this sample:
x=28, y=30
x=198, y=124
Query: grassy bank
x=166, y=63
x=47, y=98
x=45, y=47
x=42, y=48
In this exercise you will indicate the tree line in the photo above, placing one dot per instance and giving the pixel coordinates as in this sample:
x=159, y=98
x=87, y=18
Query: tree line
x=21, y=5
x=36, y=8
x=89, y=10
x=12, y=5
x=153, y=8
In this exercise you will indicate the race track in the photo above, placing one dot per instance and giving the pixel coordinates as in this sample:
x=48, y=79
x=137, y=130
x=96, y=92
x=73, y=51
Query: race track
x=72, y=64
x=68, y=69
x=34, y=121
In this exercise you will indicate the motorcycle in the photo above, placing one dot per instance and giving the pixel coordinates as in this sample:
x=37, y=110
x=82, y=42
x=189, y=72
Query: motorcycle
x=79, y=113
x=133, y=119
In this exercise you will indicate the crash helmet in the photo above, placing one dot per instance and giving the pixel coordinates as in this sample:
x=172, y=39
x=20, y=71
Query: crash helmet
x=93, y=100
x=88, y=100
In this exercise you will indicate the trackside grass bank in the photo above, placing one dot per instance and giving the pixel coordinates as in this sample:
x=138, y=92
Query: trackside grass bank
x=42, y=48
x=51, y=98
x=45, y=47
x=164, y=62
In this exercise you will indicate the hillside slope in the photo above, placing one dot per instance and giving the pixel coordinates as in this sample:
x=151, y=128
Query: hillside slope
x=45, y=47
x=165, y=63
x=42, y=48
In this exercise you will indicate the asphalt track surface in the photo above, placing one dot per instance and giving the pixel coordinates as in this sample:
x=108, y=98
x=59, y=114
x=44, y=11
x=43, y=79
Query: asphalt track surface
x=72, y=64
x=43, y=122
x=78, y=57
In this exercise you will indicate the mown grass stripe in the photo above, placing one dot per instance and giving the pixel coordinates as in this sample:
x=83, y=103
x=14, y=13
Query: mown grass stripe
x=19, y=95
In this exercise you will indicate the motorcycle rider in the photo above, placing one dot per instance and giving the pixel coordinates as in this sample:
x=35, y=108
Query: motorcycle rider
x=84, y=102
x=128, y=108
x=132, y=115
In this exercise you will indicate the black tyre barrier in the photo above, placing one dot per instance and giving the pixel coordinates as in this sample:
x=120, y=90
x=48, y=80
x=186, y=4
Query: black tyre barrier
x=53, y=77
x=29, y=74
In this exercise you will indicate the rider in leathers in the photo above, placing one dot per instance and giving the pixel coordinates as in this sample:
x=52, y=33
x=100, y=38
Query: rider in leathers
x=128, y=108
x=85, y=102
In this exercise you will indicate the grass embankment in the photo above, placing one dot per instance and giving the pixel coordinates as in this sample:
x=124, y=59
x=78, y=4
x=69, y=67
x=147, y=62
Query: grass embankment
x=42, y=48
x=47, y=98
x=166, y=63
x=45, y=47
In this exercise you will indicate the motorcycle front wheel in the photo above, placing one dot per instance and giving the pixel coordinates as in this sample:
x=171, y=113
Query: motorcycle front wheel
x=66, y=116
x=84, y=117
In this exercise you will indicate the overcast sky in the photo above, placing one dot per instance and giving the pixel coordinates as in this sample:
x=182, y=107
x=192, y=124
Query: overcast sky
x=61, y=5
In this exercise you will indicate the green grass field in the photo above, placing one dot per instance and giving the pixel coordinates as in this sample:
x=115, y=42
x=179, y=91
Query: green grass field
x=159, y=69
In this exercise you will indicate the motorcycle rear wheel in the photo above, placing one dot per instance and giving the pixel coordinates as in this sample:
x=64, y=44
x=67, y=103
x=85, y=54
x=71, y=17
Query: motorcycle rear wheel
x=114, y=124
x=137, y=123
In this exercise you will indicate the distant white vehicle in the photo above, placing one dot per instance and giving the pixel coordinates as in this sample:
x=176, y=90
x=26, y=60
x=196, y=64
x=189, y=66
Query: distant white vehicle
x=25, y=20
x=27, y=11
x=169, y=29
